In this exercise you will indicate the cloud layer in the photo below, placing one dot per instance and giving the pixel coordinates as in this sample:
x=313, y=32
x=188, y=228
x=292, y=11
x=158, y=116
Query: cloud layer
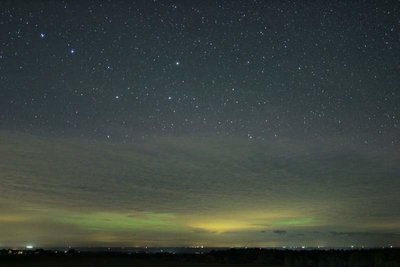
x=204, y=189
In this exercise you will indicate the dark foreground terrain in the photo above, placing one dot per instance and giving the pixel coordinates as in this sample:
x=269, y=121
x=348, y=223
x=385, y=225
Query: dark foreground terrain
x=232, y=257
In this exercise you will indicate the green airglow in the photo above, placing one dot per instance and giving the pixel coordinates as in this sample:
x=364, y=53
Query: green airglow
x=121, y=222
x=294, y=222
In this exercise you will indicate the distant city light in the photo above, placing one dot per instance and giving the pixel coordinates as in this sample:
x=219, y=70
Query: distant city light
x=29, y=247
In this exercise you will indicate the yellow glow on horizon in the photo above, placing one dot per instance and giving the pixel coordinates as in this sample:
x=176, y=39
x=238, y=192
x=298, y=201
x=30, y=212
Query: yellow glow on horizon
x=12, y=218
x=220, y=226
x=250, y=220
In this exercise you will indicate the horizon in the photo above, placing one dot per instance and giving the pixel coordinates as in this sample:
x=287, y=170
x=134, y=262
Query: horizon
x=157, y=249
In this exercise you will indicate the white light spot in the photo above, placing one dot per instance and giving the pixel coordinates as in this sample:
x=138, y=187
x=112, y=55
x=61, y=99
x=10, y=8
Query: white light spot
x=29, y=247
x=42, y=35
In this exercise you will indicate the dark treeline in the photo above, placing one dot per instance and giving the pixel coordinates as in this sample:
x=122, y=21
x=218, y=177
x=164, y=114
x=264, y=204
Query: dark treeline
x=232, y=257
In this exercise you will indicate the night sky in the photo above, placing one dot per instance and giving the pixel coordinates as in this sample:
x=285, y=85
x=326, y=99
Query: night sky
x=215, y=123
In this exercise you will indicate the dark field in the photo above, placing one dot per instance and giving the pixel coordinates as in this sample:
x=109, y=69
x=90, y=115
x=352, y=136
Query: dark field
x=234, y=257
